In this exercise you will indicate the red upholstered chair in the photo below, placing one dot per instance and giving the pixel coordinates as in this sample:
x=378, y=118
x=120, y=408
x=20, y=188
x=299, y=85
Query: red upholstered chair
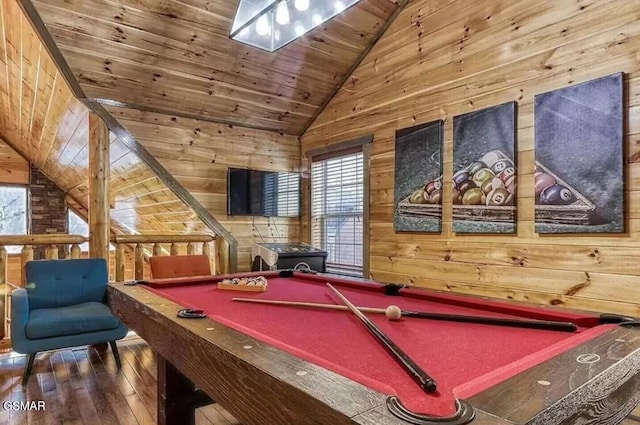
x=169, y=266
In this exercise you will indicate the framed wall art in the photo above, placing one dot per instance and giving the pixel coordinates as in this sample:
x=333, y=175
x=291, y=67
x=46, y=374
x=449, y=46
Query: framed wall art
x=579, y=172
x=484, y=170
x=418, y=178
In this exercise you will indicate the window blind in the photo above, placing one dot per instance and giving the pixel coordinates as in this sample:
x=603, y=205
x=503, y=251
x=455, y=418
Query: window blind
x=337, y=187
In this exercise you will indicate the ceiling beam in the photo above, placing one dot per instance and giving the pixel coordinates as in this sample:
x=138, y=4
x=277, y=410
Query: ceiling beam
x=356, y=64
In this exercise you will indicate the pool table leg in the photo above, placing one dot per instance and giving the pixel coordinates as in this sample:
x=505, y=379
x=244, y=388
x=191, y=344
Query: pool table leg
x=178, y=398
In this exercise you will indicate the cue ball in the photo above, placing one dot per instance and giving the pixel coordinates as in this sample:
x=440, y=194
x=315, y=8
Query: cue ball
x=393, y=312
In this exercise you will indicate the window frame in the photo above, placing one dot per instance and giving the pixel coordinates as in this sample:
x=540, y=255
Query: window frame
x=359, y=144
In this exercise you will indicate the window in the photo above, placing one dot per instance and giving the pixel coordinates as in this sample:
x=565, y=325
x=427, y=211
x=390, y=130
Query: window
x=13, y=213
x=337, y=187
x=77, y=226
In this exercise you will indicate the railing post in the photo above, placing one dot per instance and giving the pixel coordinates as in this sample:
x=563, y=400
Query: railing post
x=139, y=262
x=25, y=256
x=51, y=252
x=190, y=248
x=206, y=250
x=119, y=263
x=157, y=249
x=174, y=248
x=76, y=252
x=222, y=257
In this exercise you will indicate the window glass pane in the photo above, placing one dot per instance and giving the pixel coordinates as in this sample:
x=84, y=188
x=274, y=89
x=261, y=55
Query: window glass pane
x=77, y=226
x=13, y=213
x=337, y=186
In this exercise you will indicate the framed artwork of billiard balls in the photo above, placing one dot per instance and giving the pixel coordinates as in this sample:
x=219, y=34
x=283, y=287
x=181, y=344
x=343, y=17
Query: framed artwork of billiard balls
x=418, y=178
x=579, y=158
x=484, y=170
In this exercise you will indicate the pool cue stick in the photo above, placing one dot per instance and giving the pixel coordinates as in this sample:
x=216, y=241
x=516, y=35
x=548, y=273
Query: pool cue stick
x=309, y=305
x=497, y=321
x=426, y=382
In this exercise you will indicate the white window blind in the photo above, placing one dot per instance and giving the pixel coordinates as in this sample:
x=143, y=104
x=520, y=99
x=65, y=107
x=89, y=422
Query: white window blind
x=337, y=187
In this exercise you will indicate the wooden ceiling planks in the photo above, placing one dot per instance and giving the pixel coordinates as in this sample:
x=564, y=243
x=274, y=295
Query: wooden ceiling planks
x=43, y=122
x=176, y=57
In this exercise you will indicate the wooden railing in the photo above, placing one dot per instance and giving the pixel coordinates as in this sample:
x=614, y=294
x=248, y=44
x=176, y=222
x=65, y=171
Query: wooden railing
x=28, y=242
x=144, y=246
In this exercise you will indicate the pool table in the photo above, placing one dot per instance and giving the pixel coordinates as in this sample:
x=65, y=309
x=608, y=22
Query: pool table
x=283, y=365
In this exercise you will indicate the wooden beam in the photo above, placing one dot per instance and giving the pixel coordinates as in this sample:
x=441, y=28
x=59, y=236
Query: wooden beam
x=42, y=239
x=162, y=238
x=99, y=170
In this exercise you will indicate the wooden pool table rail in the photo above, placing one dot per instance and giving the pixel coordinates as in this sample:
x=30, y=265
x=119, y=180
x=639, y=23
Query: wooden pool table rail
x=207, y=353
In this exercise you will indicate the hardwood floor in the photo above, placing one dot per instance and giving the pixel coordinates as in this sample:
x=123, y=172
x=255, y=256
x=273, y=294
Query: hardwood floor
x=80, y=386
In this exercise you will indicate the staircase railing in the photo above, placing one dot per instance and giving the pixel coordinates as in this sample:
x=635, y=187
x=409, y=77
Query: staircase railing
x=147, y=245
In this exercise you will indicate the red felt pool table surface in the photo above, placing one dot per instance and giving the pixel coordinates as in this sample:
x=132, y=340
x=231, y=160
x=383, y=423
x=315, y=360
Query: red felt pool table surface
x=463, y=358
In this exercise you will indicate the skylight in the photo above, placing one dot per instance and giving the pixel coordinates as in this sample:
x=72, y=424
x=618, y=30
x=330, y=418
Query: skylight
x=272, y=24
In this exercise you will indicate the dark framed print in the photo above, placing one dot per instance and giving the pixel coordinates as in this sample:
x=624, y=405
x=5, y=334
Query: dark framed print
x=579, y=176
x=484, y=170
x=418, y=178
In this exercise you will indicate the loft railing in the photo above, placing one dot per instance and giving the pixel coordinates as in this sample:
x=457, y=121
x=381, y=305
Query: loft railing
x=51, y=242
x=144, y=246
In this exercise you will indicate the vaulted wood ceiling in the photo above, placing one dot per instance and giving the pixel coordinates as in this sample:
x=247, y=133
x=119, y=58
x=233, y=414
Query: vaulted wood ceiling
x=42, y=120
x=176, y=57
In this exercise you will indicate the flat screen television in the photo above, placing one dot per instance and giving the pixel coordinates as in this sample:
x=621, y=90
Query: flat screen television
x=263, y=193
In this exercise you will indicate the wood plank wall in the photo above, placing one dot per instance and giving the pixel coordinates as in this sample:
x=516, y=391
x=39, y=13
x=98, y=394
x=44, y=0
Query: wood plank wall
x=444, y=58
x=13, y=168
x=198, y=154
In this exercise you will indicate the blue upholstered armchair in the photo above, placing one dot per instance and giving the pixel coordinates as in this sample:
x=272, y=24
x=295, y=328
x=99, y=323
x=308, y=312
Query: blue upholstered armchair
x=63, y=306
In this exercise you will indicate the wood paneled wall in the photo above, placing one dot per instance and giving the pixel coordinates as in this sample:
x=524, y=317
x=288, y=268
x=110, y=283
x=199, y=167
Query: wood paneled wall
x=13, y=168
x=198, y=154
x=443, y=58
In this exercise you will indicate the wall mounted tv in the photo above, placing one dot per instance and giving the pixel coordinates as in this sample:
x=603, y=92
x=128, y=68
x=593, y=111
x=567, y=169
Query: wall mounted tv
x=263, y=193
